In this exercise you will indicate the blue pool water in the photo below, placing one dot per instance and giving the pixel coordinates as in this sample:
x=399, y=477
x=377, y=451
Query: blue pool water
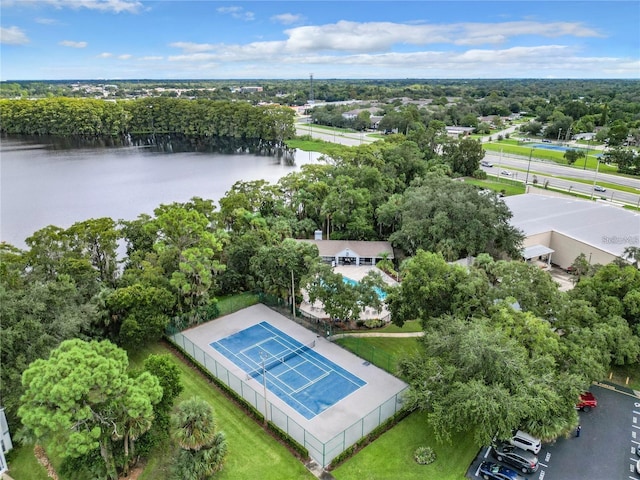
x=559, y=148
x=304, y=379
x=381, y=293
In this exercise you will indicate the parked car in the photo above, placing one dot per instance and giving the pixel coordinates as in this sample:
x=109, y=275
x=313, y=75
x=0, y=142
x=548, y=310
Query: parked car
x=525, y=441
x=598, y=188
x=546, y=140
x=525, y=461
x=637, y=467
x=493, y=471
x=587, y=402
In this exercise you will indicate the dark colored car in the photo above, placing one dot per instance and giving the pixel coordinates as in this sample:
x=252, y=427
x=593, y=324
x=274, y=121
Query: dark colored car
x=493, y=471
x=526, y=462
x=587, y=402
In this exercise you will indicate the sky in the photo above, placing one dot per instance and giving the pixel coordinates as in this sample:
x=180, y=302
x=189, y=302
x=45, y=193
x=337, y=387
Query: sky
x=212, y=39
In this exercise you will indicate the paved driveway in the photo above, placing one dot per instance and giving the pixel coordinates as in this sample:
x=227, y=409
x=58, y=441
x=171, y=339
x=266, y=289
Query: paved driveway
x=605, y=450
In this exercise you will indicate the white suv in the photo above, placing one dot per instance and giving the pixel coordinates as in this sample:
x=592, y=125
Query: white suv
x=526, y=442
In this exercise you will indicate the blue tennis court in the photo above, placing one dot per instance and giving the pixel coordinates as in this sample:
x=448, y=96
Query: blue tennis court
x=295, y=373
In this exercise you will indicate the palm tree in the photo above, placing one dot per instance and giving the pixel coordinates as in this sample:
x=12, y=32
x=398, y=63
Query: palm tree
x=203, y=448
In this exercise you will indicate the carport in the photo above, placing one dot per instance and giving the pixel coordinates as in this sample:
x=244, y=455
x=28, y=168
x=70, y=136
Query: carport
x=536, y=251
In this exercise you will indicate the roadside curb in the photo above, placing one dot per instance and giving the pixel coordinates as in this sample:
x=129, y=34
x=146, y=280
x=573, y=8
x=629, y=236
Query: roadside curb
x=618, y=388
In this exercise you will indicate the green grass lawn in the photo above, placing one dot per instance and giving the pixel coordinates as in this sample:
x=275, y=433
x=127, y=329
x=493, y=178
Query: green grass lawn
x=509, y=187
x=620, y=374
x=233, y=303
x=320, y=146
x=23, y=464
x=384, y=352
x=390, y=457
x=512, y=147
x=408, y=327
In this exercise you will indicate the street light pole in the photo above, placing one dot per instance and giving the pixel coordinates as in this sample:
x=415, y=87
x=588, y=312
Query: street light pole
x=595, y=177
x=559, y=132
x=526, y=180
x=586, y=156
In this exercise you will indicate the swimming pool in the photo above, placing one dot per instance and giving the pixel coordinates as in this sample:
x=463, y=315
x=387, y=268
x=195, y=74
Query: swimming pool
x=381, y=293
x=558, y=148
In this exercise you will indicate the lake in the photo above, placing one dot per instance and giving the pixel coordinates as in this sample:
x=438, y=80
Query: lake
x=43, y=185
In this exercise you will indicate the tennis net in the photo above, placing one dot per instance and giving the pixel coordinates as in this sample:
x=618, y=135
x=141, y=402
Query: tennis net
x=274, y=361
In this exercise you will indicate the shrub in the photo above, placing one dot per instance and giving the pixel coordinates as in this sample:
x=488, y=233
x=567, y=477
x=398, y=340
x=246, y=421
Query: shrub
x=480, y=174
x=424, y=455
x=374, y=323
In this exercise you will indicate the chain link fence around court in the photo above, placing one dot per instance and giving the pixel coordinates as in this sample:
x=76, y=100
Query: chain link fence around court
x=321, y=452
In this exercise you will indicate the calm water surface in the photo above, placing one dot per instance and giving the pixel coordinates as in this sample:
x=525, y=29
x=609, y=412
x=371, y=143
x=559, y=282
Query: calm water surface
x=41, y=186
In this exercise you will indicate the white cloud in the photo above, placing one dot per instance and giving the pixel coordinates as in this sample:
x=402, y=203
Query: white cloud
x=13, y=36
x=114, y=6
x=105, y=55
x=287, y=18
x=381, y=36
x=237, y=12
x=72, y=44
x=125, y=56
x=193, y=47
x=152, y=58
x=46, y=21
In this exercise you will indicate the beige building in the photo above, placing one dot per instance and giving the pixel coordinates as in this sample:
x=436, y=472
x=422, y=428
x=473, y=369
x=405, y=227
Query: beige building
x=558, y=229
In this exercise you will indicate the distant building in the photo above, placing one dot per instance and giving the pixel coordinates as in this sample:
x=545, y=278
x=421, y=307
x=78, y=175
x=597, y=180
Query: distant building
x=459, y=131
x=250, y=89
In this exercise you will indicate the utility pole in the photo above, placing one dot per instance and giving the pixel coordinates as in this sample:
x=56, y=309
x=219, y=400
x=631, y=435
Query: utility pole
x=526, y=180
x=594, y=179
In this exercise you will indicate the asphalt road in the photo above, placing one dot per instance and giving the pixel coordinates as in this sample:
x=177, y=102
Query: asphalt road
x=605, y=450
x=544, y=171
x=517, y=166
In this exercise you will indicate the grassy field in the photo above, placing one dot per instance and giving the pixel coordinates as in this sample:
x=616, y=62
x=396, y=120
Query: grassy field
x=509, y=187
x=514, y=147
x=620, y=374
x=391, y=456
x=384, y=352
x=309, y=145
x=408, y=327
x=23, y=465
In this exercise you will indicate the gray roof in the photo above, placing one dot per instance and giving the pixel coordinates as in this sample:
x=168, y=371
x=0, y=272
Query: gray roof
x=330, y=248
x=536, y=251
x=604, y=226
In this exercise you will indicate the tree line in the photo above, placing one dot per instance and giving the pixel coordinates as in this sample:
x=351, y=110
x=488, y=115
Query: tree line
x=149, y=116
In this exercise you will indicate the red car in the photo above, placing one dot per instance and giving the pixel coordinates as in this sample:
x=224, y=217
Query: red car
x=587, y=402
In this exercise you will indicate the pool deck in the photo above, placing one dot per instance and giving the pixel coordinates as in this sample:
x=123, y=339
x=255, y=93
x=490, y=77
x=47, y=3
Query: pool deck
x=357, y=273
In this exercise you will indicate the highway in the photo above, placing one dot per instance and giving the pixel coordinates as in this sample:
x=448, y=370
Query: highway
x=517, y=166
x=551, y=172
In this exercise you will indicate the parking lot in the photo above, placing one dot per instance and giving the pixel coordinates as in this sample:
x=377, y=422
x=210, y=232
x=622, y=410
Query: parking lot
x=606, y=448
